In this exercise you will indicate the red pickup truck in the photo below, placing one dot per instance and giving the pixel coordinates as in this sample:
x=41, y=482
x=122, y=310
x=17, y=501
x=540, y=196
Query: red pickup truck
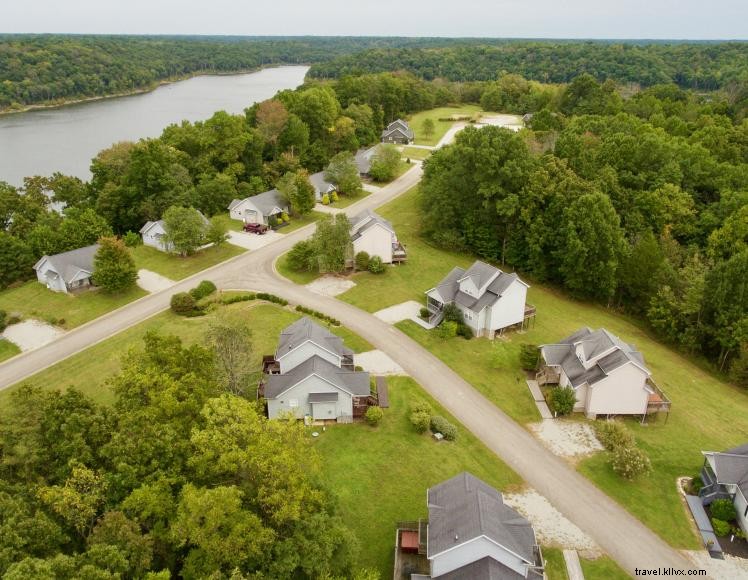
x=255, y=228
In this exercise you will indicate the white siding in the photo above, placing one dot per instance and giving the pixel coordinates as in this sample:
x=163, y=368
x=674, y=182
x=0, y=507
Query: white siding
x=52, y=281
x=472, y=552
x=376, y=241
x=583, y=393
x=247, y=212
x=303, y=353
x=510, y=308
x=300, y=395
x=154, y=238
x=741, y=507
x=469, y=288
x=620, y=393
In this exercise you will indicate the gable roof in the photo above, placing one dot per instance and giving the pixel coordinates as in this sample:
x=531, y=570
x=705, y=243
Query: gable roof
x=480, y=273
x=399, y=125
x=354, y=382
x=484, y=569
x=363, y=159
x=319, y=182
x=446, y=290
x=731, y=467
x=464, y=508
x=304, y=330
x=593, y=344
x=68, y=264
x=266, y=201
x=148, y=225
x=366, y=220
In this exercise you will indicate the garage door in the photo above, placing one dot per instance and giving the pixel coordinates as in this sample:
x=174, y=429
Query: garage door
x=323, y=410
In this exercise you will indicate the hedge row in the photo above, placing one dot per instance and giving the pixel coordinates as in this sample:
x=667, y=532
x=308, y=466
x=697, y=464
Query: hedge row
x=316, y=314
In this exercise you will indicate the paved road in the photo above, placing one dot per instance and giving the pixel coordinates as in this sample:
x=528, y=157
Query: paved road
x=621, y=535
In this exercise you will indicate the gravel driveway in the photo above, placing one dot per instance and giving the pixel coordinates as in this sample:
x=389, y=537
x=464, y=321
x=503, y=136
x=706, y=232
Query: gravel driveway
x=378, y=363
x=404, y=311
x=153, y=282
x=253, y=241
x=31, y=334
x=330, y=285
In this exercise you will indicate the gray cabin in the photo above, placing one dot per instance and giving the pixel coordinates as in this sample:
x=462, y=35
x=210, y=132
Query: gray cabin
x=321, y=185
x=259, y=208
x=398, y=132
x=67, y=271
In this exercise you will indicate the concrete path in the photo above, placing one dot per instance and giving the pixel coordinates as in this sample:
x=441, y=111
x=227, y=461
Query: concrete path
x=621, y=535
x=539, y=399
x=153, y=282
x=405, y=311
x=573, y=566
x=378, y=363
x=330, y=285
x=327, y=209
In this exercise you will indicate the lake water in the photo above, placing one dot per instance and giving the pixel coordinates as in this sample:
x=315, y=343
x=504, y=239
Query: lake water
x=65, y=139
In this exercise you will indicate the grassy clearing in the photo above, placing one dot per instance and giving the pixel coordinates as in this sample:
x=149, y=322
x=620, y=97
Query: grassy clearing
x=416, y=153
x=299, y=222
x=555, y=566
x=178, y=267
x=89, y=370
x=346, y=200
x=8, y=350
x=227, y=222
x=602, y=568
x=34, y=300
x=296, y=277
x=440, y=127
x=376, y=490
x=708, y=413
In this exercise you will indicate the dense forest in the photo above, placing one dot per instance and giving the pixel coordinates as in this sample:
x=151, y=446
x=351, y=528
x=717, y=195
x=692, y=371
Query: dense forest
x=701, y=66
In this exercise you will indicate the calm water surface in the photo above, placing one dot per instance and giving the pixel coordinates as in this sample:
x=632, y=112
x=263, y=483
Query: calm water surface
x=66, y=139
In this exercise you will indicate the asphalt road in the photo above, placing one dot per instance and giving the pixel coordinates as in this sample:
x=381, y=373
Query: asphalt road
x=621, y=535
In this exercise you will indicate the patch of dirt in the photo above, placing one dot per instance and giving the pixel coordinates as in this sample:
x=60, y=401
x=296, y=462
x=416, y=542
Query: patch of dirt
x=378, y=363
x=31, y=334
x=405, y=311
x=566, y=438
x=731, y=568
x=551, y=527
x=330, y=285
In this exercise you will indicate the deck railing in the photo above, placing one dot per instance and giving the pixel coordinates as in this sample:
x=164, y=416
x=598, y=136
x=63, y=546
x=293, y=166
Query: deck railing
x=659, y=403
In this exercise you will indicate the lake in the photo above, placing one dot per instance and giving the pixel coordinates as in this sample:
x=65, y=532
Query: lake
x=65, y=139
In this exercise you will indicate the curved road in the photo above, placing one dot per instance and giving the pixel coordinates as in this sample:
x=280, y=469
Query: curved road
x=620, y=534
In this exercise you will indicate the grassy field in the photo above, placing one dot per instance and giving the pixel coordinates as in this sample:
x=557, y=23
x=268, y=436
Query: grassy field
x=416, y=153
x=376, y=490
x=707, y=414
x=228, y=223
x=555, y=566
x=34, y=300
x=299, y=222
x=346, y=200
x=89, y=370
x=440, y=127
x=296, y=277
x=178, y=267
x=602, y=569
x=8, y=350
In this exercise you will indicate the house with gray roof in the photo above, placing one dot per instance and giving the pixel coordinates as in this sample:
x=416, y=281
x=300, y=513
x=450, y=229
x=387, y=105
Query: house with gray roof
x=472, y=534
x=490, y=300
x=67, y=271
x=259, y=208
x=321, y=185
x=363, y=159
x=312, y=375
x=608, y=375
x=153, y=234
x=373, y=234
x=398, y=132
x=725, y=476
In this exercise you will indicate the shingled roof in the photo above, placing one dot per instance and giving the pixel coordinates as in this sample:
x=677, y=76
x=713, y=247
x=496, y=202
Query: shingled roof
x=354, y=382
x=304, y=330
x=448, y=290
x=68, y=264
x=366, y=220
x=731, y=466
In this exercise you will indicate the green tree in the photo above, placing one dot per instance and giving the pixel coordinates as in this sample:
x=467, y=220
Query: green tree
x=231, y=340
x=298, y=191
x=115, y=529
x=332, y=243
x=385, y=163
x=217, y=232
x=185, y=229
x=342, y=171
x=114, y=267
x=428, y=127
x=16, y=259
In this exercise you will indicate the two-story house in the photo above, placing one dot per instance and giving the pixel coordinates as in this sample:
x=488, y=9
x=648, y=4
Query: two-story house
x=373, y=234
x=398, y=132
x=725, y=476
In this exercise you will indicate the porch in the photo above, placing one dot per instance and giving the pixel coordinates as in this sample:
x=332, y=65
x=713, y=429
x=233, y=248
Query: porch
x=548, y=375
x=410, y=549
x=658, y=402
x=398, y=253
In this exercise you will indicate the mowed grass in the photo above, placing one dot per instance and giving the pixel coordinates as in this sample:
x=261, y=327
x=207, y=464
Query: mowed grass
x=285, y=270
x=555, y=565
x=8, y=350
x=299, y=222
x=381, y=474
x=416, y=153
x=440, y=127
x=89, y=370
x=346, y=200
x=708, y=413
x=34, y=300
x=227, y=222
x=603, y=568
x=178, y=267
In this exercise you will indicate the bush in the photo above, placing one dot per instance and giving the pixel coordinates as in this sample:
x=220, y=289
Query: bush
x=203, y=289
x=721, y=527
x=562, y=400
x=284, y=218
x=453, y=314
x=630, y=462
x=3, y=320
x=420, y=407
x=447, y=329
x=441, y=425
x=424, y=312
x=362, y=261
x=374, y=415
x=376, y=266
x=273, y=221
x=723, y=509
x=183, y=303
x=272, y=298
x=238, y=298
x=334, y=196
x=465, y=331
x=301, y=256
x=325, y=199
x=613, y=434
x=421, y=421
x=320, y=315
x=529, y=356
x=132, y=239
x=13, y=318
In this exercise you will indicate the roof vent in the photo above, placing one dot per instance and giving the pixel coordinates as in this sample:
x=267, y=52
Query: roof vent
x=457, y=537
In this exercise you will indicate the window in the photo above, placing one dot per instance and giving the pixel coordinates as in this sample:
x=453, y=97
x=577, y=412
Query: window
x=293, y=403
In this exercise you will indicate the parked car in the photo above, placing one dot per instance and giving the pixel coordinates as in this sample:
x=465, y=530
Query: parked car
x=255, y=228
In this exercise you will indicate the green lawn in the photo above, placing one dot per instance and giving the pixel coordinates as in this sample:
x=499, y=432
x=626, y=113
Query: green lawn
x=402, y=168
x=299, y=222
x=416, y=153
x=34, y=300
x=555, y=566
x=178, y=267
x=228, y=223
x=381, y=474
x=346, y=200
x=707, y=412
x=296, y=277
x=603, y=568
x=7, y=350
x=89, y=370
x=440, y=127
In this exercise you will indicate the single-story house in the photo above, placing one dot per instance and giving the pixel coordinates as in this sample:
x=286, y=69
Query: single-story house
x=363, y=159
x=489, y=299
x=259, y=208
x=608, y=375
x=321, y=185
x=373, y=234
x=472, y=534
x=725, y=476
x=153, y=234
x=312, y=375
x=398, y=132
x=67, y=271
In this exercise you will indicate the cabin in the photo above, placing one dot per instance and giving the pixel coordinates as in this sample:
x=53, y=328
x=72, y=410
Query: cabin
x=260, y=208
x=68, y=271
x=398, y=132
x=153, y=234
x=373, y=234
x=321, y=185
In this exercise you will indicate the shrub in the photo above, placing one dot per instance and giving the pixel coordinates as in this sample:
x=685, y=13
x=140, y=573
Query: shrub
x=465, y=331
x=272, y=298
x=421, y=421
x=613, y=434
x=374, y=415
x=424, y=312
x=362, y=261
x=320, y=315
x=13, y=318
x=334, y=196
x=284, y=218
x=562, y=400
x=182, y=303
x=420, y=407
x=447, y=329
x=203, y=289
x=721, y=527
x=441, y=425
x=453, y=314
x=723, y=509
x=630, y=462
x=273, y=221
x=376, y=266
x=325, y=199
x=132, y=239
x=696, y=485
x=301, y=256
x=238, y=298
x=3, y=320
x=529, y=356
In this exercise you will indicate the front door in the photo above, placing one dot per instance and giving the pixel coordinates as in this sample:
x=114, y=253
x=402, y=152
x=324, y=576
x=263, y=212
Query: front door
x=321, y=411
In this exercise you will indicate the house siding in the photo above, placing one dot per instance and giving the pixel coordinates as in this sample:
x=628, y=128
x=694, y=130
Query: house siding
x=300, y=393
x=303, y=353
x=509, y=309
x=741, y=505
x=473, y=551
x=375, y=241
x=154, y=238
x=247, y=212
x=53, y=282
x=620, y=393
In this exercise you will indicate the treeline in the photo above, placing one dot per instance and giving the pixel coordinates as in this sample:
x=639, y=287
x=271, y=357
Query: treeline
x=639, y=204
x=701, y=66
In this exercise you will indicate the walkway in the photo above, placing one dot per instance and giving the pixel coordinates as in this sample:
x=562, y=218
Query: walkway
x=573, y=566
x=383, y=393
x=537, y=396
